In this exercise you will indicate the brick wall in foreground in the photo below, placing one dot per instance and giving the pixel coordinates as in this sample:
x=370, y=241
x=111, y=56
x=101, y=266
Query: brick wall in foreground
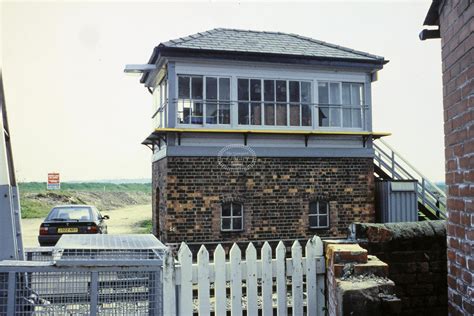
x=457, y=26
x=275, y=193
x=416, y=257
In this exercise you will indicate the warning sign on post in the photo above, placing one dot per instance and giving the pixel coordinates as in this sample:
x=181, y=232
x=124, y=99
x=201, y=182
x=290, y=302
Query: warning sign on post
x=53, y=181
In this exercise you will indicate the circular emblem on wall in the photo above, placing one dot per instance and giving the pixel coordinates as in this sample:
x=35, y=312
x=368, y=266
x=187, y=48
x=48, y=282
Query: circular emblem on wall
x=236, y=157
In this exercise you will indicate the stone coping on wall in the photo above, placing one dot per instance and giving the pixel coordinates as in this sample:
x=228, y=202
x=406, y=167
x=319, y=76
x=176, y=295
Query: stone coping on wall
x=398, y=231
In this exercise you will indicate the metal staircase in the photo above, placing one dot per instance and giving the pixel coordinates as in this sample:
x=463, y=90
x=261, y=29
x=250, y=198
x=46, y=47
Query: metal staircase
x=390, y=165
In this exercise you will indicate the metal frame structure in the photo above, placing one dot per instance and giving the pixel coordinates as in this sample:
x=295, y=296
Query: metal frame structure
x=86, y=274
x=11, y=242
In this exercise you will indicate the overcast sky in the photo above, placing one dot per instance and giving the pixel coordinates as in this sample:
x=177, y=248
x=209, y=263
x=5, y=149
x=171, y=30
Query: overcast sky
x=72, y=110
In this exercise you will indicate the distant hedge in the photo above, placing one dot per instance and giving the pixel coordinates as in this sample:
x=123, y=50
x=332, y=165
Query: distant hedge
x=88, y=186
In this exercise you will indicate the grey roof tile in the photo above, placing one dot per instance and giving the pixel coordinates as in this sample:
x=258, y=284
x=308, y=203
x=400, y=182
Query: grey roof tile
x=221, y=39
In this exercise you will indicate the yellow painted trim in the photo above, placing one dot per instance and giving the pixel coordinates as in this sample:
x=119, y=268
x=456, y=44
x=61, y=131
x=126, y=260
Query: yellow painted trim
x=262, y=131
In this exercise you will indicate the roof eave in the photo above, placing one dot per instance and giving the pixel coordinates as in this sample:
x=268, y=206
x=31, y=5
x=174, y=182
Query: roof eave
x=190, y=52
x=432, y=17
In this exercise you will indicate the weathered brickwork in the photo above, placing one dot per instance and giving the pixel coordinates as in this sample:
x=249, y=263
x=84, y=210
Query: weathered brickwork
x=416, y=258
x=275, y=193
x=456, y=26
x=357, y=284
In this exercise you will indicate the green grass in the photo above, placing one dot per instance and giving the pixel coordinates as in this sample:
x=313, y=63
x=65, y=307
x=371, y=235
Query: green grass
x=145, y=227
x=88, y=186
x=34, y=209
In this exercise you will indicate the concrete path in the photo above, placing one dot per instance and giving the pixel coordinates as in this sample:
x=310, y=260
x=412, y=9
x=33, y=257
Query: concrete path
x=122, y=221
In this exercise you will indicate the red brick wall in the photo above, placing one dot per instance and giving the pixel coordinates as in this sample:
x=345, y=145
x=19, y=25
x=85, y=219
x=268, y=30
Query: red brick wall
x=275, y=192
x=456, y=26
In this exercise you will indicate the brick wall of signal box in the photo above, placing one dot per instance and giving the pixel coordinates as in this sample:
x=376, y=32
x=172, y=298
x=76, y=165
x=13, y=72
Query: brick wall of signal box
x=275, y=193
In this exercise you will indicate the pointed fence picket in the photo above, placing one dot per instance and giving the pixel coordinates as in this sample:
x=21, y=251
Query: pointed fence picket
x=246, y=284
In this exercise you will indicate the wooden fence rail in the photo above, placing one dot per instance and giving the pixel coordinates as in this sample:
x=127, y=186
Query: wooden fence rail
x=271, y=283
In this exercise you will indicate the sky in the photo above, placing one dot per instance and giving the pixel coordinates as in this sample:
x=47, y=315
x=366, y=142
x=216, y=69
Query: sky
x=72, y=109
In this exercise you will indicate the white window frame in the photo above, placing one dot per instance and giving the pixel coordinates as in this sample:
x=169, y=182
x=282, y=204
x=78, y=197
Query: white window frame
x=318, y=214
x=204, y=98
x=275, y=102
x=232, y=217
x=363, y=106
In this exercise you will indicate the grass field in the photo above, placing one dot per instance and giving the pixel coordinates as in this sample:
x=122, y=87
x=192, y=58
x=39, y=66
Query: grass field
x=36, y=201
x=88, y=186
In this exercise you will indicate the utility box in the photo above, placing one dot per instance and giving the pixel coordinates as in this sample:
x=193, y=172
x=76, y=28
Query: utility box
x=396, y=201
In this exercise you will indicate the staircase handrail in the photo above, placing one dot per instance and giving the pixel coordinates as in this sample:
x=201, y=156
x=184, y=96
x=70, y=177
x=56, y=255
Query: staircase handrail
x=400, y=157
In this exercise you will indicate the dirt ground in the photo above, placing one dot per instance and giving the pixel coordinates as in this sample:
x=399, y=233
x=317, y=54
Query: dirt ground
x=122, y=221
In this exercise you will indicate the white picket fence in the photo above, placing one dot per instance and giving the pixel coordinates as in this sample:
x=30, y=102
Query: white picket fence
x=299, y=281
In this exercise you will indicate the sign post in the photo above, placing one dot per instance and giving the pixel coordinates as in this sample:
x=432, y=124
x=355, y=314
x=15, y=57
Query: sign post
x=53, y=181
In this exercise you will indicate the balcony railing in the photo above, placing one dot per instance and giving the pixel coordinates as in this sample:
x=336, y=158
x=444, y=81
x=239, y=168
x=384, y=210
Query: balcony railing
x=268, y=114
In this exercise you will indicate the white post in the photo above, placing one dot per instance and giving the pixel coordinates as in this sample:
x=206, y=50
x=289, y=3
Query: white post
x=169, y=285
x=267, y=281
x=204, y=304
x=297, y=279
x=185, y=258
x=251, y=261
x=282, y=308
x=219, y=281
x=235, y=281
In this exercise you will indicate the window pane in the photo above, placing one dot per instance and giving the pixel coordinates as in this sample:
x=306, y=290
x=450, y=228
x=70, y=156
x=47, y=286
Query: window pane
x=281, y=118
x=357, y=118
x=269, y=114
x=269, y=91
x=313, y=221
x=197, y=114
x=243, y=113
x=294, y=91
x=335, y=116
x=226, y=223
x=255, y=90
x=211, y=112
x=346, y=93
x=256, y=115
x=335, y=93
x=236, y=209
x=323, y=116
x=184, y=109
x=243, y=89
x=313, y=208
x=306, y=92
x=323, y=207
x=323, y=221
x=281, y=91
x=226, y=209
x=224, y=113
x=347, y=117
x=224, y=89
x=237, y=224
x=323, y=93
x=183, y=87
x=196, y=83
x=357, y=94
x=306, y=114
x=294, y=114
x=211, y=88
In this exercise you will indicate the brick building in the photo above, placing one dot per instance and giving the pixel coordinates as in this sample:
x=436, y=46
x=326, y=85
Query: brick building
x=455, y=20
x=259, y=135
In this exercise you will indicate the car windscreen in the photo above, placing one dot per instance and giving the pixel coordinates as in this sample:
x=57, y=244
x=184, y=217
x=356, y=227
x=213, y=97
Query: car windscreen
x=79, y=213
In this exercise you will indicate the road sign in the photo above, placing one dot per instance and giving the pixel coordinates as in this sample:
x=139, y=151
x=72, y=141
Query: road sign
x=53, y=181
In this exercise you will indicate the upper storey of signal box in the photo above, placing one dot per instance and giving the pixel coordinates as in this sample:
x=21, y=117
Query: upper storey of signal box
x=227, y=80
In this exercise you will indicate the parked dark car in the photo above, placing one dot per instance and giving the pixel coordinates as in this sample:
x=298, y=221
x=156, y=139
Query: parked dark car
x=71, y=219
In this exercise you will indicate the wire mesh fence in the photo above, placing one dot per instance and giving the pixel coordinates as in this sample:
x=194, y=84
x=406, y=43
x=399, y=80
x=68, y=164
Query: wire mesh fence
x=54, y=290
x=83, y=275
